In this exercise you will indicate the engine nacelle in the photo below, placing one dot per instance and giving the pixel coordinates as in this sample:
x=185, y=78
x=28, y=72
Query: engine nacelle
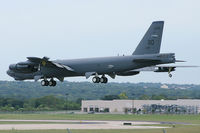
x=165, y=69
x=128, y=73
x=24, y=67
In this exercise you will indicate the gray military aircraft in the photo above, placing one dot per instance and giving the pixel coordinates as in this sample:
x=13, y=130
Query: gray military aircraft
x=146, y=57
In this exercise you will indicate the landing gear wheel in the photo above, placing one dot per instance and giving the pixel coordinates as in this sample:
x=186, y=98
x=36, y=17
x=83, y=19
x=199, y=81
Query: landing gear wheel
x=170, y=75
x=52, y=82
x=106, y=80
x=103, y=80
x=44, y=83
x=95, y=79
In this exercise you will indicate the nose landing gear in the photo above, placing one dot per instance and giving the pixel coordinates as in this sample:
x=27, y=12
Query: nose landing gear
x=170, y=75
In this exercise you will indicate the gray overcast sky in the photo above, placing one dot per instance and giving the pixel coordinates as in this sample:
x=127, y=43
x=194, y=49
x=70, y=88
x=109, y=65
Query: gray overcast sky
x=62, y=29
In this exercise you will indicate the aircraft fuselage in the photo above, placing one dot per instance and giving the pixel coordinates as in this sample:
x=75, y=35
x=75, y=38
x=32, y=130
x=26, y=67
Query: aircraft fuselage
x=100, y=65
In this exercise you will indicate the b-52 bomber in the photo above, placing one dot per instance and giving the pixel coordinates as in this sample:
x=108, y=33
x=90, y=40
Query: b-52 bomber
x=146, y=57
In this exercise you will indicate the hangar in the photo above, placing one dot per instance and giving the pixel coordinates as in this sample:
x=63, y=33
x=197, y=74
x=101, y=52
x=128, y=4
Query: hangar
x=181, y=106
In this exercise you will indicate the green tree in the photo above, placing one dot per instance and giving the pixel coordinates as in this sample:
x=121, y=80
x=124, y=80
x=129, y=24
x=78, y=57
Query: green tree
x=158, y=97
x=144, y=97
x=123, y=95
x=48, y=101
x=110, y=97
x=71, y=106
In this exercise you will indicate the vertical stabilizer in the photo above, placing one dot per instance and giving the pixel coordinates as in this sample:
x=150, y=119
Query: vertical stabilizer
x=150, y=43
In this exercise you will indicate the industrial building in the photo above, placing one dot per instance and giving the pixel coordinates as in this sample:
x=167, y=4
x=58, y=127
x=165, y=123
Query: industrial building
x=180, y=106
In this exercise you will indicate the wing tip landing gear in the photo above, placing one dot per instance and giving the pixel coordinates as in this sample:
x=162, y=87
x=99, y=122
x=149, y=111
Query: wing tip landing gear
x=170, y=75
x=169, y=72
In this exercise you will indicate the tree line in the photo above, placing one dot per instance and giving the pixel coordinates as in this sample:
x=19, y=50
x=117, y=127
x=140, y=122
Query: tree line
x=46, y=103
x=89, y=91
x=53, y=103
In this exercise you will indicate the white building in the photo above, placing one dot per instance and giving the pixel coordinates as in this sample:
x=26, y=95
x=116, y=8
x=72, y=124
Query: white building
x=121, y=106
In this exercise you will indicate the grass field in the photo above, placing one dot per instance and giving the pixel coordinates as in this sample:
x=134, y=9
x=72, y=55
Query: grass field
x=194, y=119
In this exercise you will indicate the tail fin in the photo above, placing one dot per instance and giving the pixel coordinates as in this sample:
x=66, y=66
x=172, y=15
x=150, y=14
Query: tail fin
x=150, y=43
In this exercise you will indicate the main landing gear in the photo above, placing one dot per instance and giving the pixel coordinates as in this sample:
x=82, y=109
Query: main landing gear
x=97, y=79
x=51, y=82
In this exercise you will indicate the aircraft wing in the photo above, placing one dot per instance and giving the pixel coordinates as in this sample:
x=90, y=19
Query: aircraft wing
x=46, y=62
x=162, y=68
x=174, y=66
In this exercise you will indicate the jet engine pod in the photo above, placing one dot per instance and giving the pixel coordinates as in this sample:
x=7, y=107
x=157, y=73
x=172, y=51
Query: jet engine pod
x=12, y=67
x=128, y=73
x=19, y=68
x=23, y=68
x=165, y=69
